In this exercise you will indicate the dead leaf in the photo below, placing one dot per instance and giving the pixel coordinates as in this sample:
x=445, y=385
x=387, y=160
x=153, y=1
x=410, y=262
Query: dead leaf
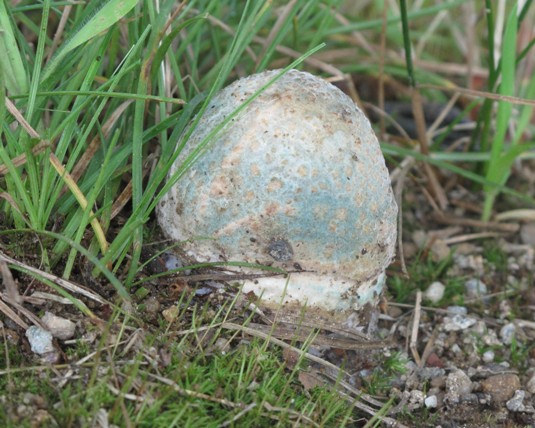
x=291, y=358
x=309, y=380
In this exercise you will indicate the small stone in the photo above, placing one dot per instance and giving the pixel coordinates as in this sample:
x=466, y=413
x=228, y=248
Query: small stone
x=501, y=387
x=431, y=402
x=527, y=234
x=419, y=237
x=470, y=262
x=170, y=314
x=172, y=262
x=475, y=288
x=152, y=305
x=488, y=356
x=434, y=361
x=416, y=399
x=458, y=322
x=438, y=382
x=40, y=340
x=507, y=333
x=456, y=349
x=410, y=250
x=491, y=339
x=516, y=404
x=440, y=250
x=458, y=384
x=60, y=328
x=457, y=310
x=531, y=385
x=435, y=292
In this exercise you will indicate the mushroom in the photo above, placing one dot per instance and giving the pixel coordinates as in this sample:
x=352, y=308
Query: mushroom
x=296, y=180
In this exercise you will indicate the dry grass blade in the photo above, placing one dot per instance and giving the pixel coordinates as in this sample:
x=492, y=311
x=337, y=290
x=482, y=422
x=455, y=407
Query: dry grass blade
x=59, y=31
x=238, y=415
x=520, y=214
x=398, y=176
x=71, y=184
x=68, y=285
x=39, y=148
x=488, y=225
x=303, y=333
x=11, y=201
x=471, y=237
x=298, y=416
x=8, y=312
x=93, y=146
x=471, y=93
x=101, y=237
x=22, y=310
x=127, y=396
x=21, y=159
x=20, y=119
x=188, y=393
x=281, y=20
x=12, y=291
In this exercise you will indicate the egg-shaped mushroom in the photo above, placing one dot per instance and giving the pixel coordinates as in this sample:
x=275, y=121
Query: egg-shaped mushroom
x=296, y=180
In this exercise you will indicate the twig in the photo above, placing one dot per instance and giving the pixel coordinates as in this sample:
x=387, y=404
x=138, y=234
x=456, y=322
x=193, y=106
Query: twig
x=415, y=327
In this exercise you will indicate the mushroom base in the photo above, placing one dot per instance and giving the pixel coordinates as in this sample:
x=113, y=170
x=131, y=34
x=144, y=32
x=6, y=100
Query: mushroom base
x=315, y=291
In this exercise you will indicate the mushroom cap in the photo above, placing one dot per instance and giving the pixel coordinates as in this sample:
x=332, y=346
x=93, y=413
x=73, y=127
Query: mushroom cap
x=296, y=180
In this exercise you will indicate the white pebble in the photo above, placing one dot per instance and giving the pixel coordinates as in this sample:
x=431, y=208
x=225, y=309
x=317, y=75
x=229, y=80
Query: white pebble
x=431, y=402
x=40, y=340
x=488, y=356
x=516, y=404
x=475, y=288
x=457, y=310
x=507, y=333
x=458, y=322
x=435, y=292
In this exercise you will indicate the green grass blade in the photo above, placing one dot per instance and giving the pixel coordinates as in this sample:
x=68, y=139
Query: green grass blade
x=104, y=16
x=498, y=169
x=407, y=42
x=16, y=80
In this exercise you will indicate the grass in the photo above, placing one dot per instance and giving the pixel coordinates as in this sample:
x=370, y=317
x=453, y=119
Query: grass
x=204, y=374
x=94, y=98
